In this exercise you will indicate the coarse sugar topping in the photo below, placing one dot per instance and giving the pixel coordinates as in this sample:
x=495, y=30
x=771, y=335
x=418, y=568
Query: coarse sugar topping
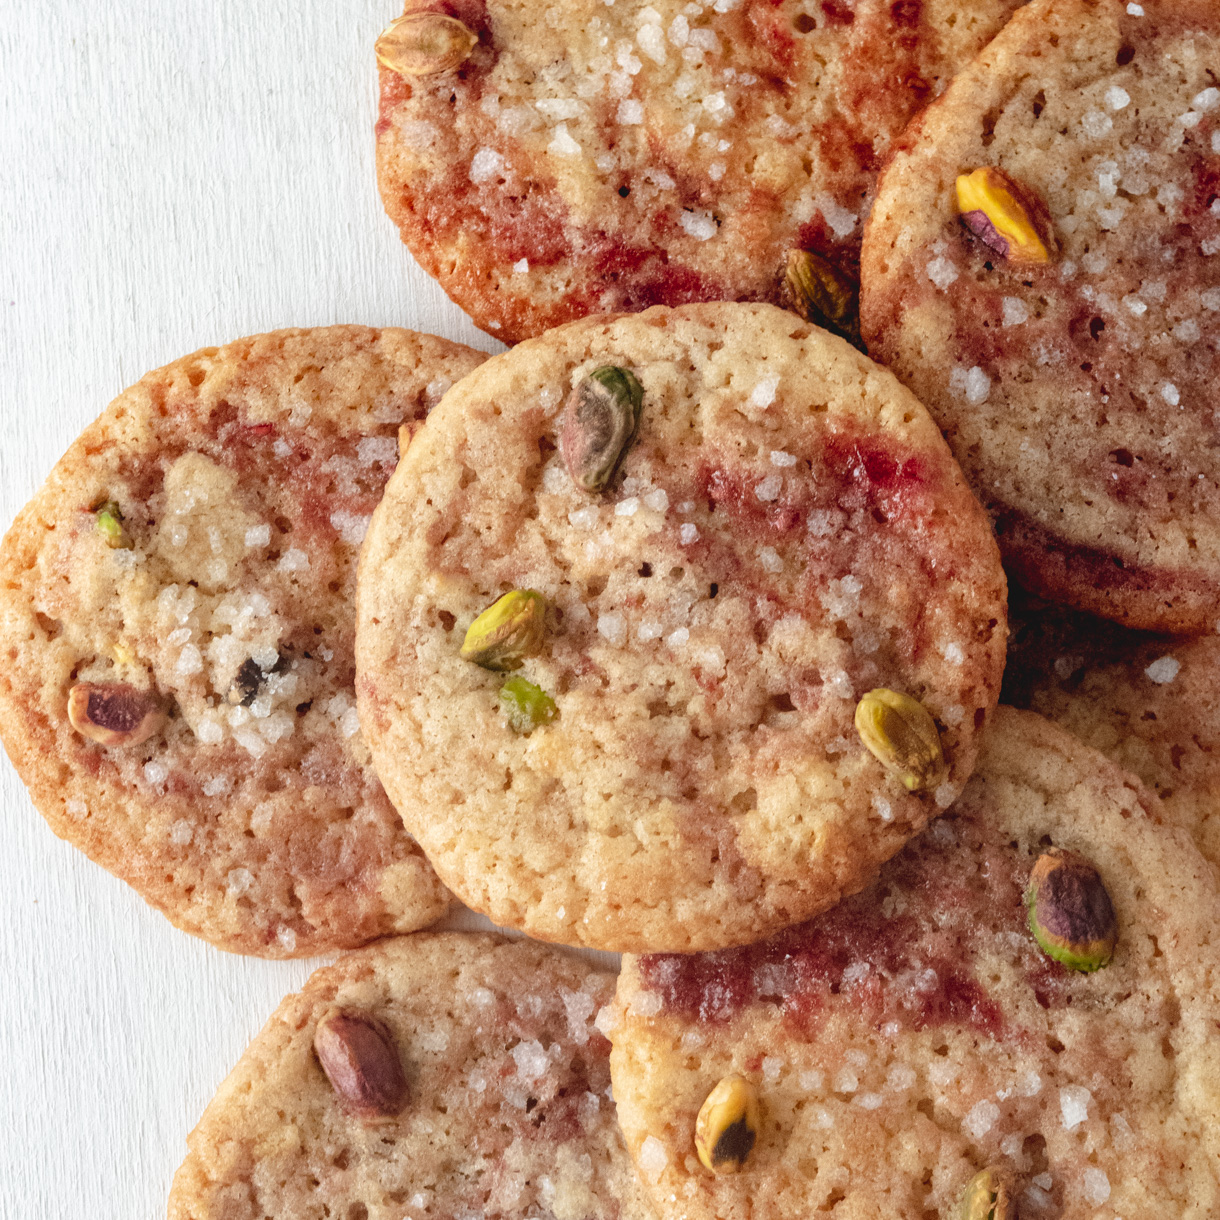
x=243, y=479
x=714, y=616
x=1076, y=393
x=910, y=952
x=659, y=153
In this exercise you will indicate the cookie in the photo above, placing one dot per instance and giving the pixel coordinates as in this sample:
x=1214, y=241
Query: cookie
x=1150, y=703
x=598, y=157
x=917, y=1034
x=1071, y=363
x=176, y=617
x=474, y=1083
x=786, y=533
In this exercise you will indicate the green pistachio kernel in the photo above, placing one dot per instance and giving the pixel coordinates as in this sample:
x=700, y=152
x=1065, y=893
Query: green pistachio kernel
x=988, y=1196
x=507, y=632
x=1070, y=912
x=823, y=293
x=900, y=732
x=727, y=1125
x=526, y=706
x=110, y=525
x=599, y=424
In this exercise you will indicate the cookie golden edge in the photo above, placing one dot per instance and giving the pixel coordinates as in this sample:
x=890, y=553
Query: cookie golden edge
x=28, y=728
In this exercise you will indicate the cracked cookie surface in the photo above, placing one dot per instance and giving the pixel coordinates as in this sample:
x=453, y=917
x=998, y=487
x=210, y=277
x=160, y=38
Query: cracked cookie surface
x=917, y=1033
x=786, y=533
x=194, y=551
x=508, y=1109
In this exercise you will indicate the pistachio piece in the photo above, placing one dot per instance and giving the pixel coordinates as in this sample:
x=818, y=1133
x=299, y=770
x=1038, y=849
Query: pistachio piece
x=507, y=632
x=599, y=424
x=423, y=44
x=246, y=682
x=250, y=677
x=822, y=293
x=1070, y=912
x=1005, y=216
x=358, y=1055
x=114, y=713
x=988, y=1196
x=526, y=706
x=727, y=1125
x=900, y=732
x=109, y=521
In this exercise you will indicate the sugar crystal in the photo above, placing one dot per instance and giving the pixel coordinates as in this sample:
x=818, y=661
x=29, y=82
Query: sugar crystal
x=1163, y=670
x=1096, y=1185
x=982, y=1117
x=763, y=394
x=1074, y=1105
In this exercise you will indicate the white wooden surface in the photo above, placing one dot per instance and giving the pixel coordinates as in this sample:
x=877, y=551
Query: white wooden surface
x=173, y=173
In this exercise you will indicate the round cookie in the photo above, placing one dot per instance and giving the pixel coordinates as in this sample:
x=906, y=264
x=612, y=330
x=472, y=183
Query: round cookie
x=1152, y=704
x=211, y=605
x=592, y=157
x=1077, y=393
x=508, y=1110
x=917, y=1034
x=786, y=533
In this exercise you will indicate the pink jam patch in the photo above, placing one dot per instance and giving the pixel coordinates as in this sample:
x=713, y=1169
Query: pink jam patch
x=902, y=952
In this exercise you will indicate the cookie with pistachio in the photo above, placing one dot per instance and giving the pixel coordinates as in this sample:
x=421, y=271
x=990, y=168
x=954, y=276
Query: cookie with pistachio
x=1149, y=702
x=1020, y=1013
x=1042, y=268
x=673, y=626
x=431, y=1076
x=177, y=623
x=544, y=163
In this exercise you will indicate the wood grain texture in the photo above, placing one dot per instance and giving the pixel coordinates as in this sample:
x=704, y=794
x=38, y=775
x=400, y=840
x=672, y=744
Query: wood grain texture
x=174, y=176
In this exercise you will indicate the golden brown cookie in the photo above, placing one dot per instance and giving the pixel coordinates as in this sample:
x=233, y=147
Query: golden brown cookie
x=176, y=621
x=917, y=1034
x=597, y=156
x=1151, y=703
x=1070, y=354
x=471, y=1079
x=786, y=533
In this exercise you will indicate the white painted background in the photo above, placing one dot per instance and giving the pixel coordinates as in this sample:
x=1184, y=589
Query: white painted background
x=173, y=174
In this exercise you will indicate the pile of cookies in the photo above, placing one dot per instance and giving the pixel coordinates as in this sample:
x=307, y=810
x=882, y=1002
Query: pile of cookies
x=682, y=630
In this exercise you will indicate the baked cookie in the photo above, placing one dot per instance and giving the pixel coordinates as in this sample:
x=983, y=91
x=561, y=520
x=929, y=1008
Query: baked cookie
x=917, y=1034
x=1042, y=268
x=1151, y=703
x=552, y=162
x=786, y=533
x=176, y=621
x=469, y=1080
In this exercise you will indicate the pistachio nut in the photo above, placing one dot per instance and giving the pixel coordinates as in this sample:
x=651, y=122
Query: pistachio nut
x=358, y=1055
x=1070, y=912
x=1005, y=216
x=988, y=1196
x=599, y=424
x=114, y=713
x=425, y=43
x=109, y=521
x=507, y=632
x=727, y=1125
x=900, y=732
x=526, y=706
x=822, y=293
